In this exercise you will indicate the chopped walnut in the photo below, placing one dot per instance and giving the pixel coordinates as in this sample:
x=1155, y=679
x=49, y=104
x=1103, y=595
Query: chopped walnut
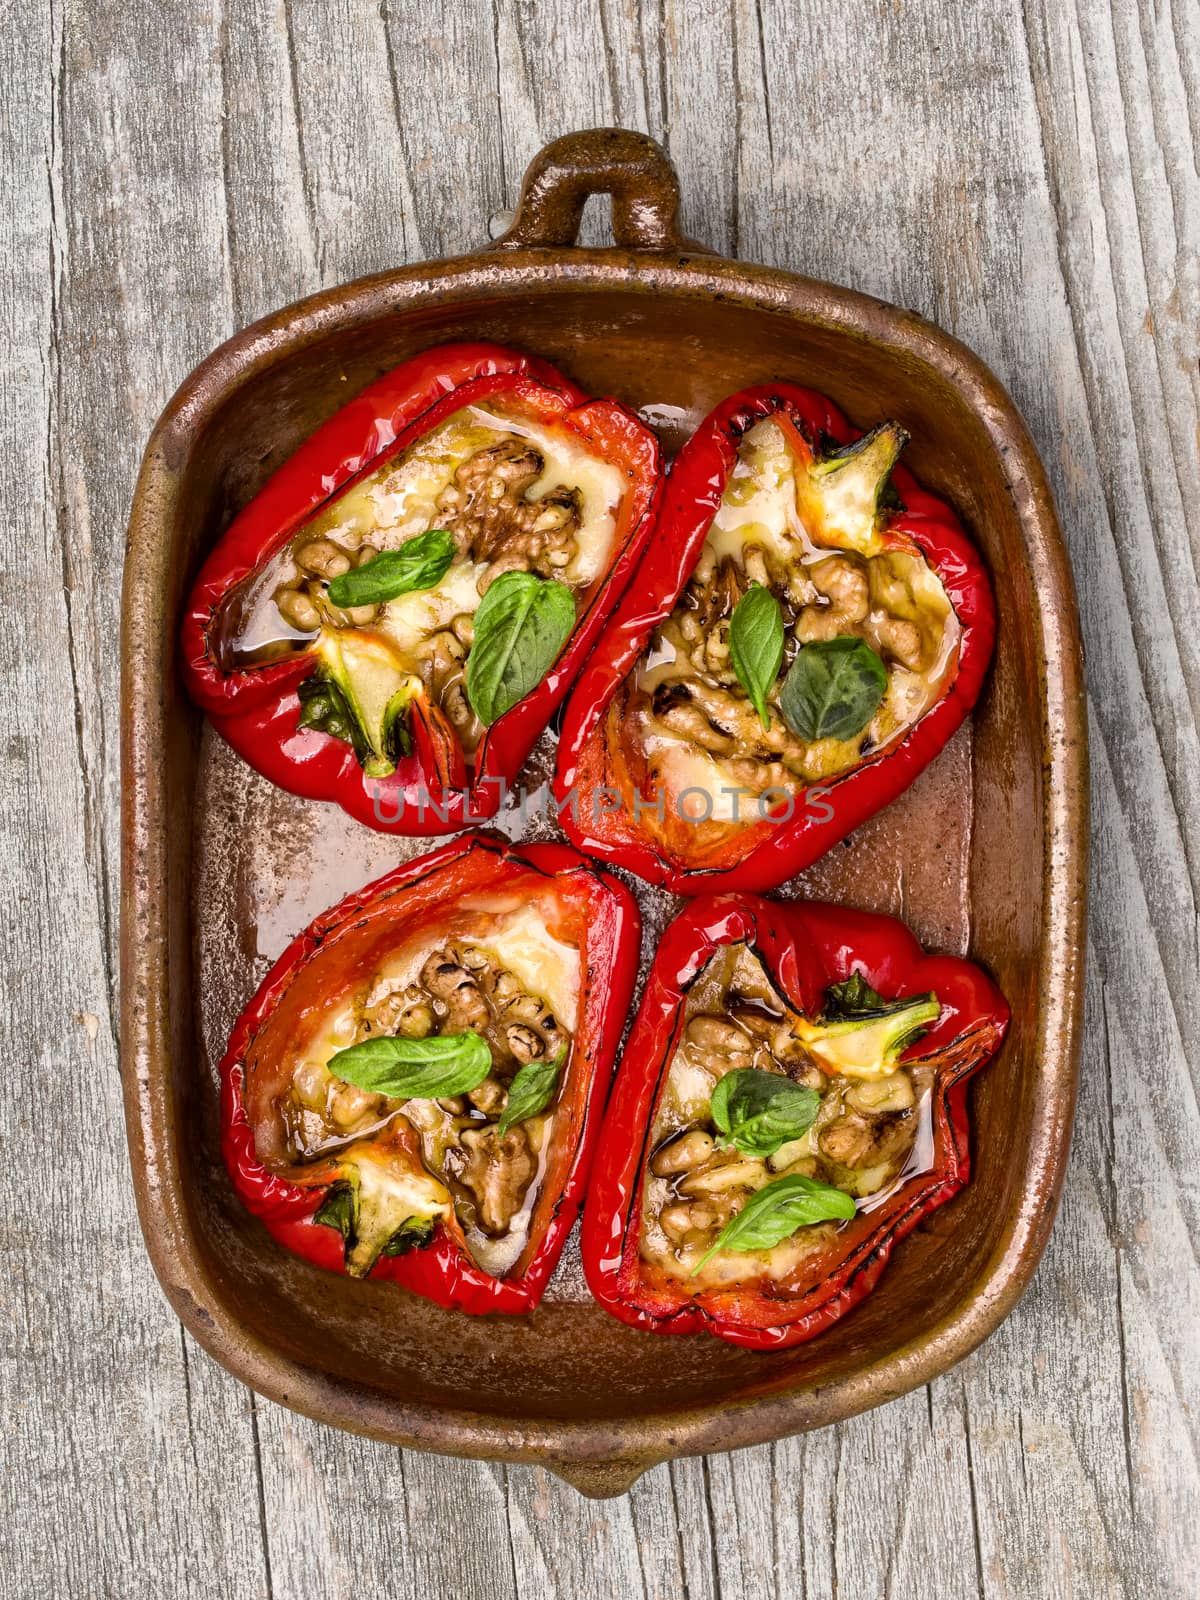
x=719, y=1045
x=846, y=600
x=722, y=721
x=857, y=1140
x=497, y=1170
x=457, y=997
x=494, y=524
x=713, y=593
x=699, y=1178
x=488, y=511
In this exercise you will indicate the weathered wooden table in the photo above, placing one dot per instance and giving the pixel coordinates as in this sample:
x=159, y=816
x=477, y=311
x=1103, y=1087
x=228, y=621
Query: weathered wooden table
x=1025, y=174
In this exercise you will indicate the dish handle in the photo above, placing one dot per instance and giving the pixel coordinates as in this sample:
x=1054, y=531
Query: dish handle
x=629, y=166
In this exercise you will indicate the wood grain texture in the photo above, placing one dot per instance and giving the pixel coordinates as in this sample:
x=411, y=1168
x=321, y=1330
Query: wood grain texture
x=1024, y=173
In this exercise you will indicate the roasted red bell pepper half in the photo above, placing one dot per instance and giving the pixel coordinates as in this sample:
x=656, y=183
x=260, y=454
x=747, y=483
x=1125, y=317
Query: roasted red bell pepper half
x=807, y=630
x=790, y=1103
x=500, y=513
x=415, y=1091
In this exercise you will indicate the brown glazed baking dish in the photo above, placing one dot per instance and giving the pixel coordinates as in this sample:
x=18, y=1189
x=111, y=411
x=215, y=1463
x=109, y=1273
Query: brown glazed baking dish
x=986, y=853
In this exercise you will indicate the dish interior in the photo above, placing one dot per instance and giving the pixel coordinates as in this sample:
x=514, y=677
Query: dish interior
x=959, y=857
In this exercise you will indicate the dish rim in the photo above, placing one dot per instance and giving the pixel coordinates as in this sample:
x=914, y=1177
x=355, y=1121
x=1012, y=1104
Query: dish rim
x=599, y=1456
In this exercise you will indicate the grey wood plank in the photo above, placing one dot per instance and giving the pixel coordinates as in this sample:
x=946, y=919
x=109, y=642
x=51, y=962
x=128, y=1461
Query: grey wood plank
x=270, y=227
x=123, y=1454
x=1120, y=153
x=351, y=1518
x=670, y=1514
x=449, y=139
x=565, y=1545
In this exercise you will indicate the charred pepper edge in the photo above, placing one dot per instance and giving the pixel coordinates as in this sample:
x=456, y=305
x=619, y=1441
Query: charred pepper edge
x=850, y=1286
x=612, y=1217
x=932, y=1191
x=873, y=1249
x=333, y=772
x=442, y=1272
x=258, y=716
x=691, y=500
x=346, y=447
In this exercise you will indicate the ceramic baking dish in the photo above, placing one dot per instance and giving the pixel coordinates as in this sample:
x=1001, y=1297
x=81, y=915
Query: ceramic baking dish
x=986, y=853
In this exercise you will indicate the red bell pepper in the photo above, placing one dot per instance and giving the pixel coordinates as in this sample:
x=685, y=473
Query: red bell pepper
x=434, y=788
x=805, y=948
x=467, y=885
x=613, y=806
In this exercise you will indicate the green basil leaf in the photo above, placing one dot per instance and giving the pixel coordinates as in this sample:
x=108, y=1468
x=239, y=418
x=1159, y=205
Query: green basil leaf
x=756, y=645
x=415, y=1069
x=415, y=1234
x=832, y=689
x=337, y=1210
x=853, y=997
x=760, y=1111
x=419, y=563
x=531, y=1090
x=775, y=1212
x=324, y=707
x=520, y=627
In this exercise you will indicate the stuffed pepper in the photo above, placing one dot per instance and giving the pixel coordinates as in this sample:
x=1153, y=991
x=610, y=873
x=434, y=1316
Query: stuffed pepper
x=415, y=1090
x=791, y=1101
x=808, y=629
x=392, y=621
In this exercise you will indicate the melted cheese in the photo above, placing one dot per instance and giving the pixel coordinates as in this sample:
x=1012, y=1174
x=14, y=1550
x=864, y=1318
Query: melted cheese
x=391, y=1188
x=685, y=1103
x=403, y=504
x=759, y=507
x=399, y=500
x=759, y=503
x=544, y=965
x=570, y=464
x=518, y=938
x=413, y=617
x=685, y=767
x=393, y=1185
x=688, y=1091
